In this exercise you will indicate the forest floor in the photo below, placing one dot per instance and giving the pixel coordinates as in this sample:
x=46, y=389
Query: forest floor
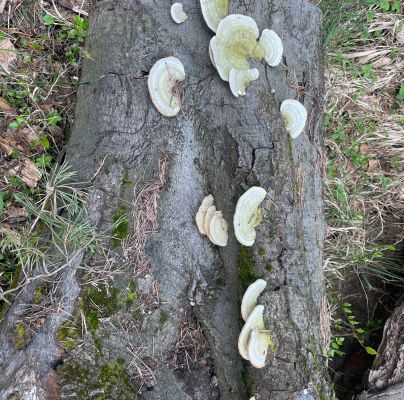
x=41, y=52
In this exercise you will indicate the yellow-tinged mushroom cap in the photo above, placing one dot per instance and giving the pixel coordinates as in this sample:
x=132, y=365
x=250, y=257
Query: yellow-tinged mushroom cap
x=258, y=347
x=255, y=321
x=233, y=44
x=163, y=85
x=225, y=61
x=218, y=229
x=250, y=297
x=214, y=11
x=201, y=214
x=248, y=215
x=269, y=47
x=295, y=117
x=239, y=79
x=177, y=13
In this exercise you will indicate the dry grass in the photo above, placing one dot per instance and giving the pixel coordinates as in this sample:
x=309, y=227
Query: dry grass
x=191, y=346
x=365, y=146
x=144, y=220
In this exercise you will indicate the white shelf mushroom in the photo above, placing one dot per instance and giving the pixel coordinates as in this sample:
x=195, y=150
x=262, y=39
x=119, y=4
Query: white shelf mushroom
x=233, y=44
x=295, y=116
x=178, y=14
x=248, y=215
x=207, y=202
x=269, y=47
x=239, y=79
x=258, y=348
x=250, y=297
x=163, y=85
x=214, y=11
x=208, y=218
x=255, y=321
x=211, y=222
x=218, y=230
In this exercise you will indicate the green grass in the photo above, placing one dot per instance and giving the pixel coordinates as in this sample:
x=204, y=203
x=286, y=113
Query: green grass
x=363, y=136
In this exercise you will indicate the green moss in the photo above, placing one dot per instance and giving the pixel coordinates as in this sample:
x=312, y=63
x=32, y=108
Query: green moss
x=163, y=318
x=121, y=227
x=110, y=381
x=68, y=335
x=246, y=267
x=269, y=267
x=98, y=303
x=39, y=294
x=290, y=148
x=126, y=182
x=220, y=281
x=261, y=251
x=298, y=191
x=20, y=336
x=113, y=375
x=248, y=382
x=137, y=315
x=131, y=295
x=3, y=305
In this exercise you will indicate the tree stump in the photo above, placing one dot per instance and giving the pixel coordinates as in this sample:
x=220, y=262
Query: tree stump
x=185, y=342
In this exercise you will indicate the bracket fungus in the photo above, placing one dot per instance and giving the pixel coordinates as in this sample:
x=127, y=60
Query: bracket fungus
x=258, y=347
x=255, y=321
x=218, y=229
x=208, y=218
x=239, y=79
x=235, y=39
x=163, y=85
x=214, y=11
x=248, y=215
x=178, y=14
x=211, y=222
x=295, y=116
x=269, y=47
x=207, y=202
x=250, y=297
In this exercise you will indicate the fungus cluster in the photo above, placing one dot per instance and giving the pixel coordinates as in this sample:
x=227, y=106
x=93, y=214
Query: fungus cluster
x=210, y=222
x=248, y=215
x=254, y=339
x=237, y=40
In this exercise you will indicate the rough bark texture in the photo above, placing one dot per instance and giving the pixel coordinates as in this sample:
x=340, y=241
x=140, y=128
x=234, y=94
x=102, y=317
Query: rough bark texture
x=218, y=144
x=386, y=378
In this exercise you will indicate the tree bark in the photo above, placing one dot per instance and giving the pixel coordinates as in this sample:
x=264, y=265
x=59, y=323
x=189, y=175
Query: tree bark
x=218, y=144
x=386, y=378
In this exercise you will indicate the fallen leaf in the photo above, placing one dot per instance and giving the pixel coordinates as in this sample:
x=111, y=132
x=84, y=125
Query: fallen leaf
x=28, y=172
x=373, y=165
x=381, y=62
x=4, y=106
x=56, y=132
x=7, y=143
x=2, y=5
x=7, y=53
x=364, y=149
x=15, y=214
x=5, y=147
x=28, y=135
